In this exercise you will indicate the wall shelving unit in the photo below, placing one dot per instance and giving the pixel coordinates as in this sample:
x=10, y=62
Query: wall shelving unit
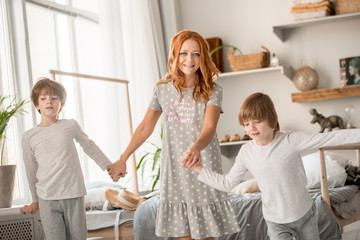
x=280, y=30
x=286, y=71
x=231, y=149
x=323, y=94
x=233, y=143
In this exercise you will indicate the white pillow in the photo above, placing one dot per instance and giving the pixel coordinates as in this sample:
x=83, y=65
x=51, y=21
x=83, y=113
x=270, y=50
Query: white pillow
x=340, y=159
x=336, y=174
x=248, y=186
x=93, y=185
x=95, y=198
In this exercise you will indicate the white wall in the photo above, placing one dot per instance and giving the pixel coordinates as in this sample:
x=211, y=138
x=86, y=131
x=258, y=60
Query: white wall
x=247, y=25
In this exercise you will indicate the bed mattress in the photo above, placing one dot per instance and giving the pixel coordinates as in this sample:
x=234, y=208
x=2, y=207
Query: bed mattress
x=97, y=219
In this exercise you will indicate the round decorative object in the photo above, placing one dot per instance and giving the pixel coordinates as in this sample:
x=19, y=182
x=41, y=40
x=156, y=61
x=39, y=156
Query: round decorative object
x=306, y=78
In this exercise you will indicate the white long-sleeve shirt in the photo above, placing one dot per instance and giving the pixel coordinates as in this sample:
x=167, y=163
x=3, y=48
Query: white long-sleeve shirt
x=52, y=163
x=279, y=171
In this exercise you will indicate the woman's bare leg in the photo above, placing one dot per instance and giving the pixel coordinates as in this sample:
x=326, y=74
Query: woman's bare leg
x=189, y=238
x=185, y=238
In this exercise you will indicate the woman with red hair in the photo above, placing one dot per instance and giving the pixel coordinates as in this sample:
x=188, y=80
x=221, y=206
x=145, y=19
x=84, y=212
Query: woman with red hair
x=190, y=102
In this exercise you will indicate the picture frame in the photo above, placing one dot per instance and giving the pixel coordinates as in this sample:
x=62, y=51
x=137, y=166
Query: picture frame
x=350, y=71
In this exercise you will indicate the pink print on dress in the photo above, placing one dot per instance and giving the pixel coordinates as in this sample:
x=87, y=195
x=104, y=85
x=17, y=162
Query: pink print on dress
x=181, y=112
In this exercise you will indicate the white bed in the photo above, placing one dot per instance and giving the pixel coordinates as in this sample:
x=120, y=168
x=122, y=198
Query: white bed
x=350, y=227
x=101, y=217
x=98, y=219
x=102, y=224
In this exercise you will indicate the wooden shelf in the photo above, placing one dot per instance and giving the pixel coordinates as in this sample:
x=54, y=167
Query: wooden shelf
x=280, y=29
x=287, y=72
x=322, y=94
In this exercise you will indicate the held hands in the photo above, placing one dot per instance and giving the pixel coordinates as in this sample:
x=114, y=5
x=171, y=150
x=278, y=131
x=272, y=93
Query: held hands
x=192, y=159
x=117, y=170
x=32, y=208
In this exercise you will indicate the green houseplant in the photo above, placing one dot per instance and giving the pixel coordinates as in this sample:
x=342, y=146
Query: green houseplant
x=153, y=159
x=7, y=172
x=224, y=46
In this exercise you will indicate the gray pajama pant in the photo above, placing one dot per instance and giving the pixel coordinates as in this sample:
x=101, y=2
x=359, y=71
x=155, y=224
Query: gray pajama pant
x=305, y=228
x=63, y=219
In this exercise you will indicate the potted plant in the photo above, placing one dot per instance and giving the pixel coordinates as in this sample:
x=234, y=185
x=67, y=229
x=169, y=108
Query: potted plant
x=7, y=172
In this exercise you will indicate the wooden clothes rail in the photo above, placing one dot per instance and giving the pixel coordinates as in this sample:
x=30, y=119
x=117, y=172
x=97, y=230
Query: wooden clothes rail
x=85, y=76
x=324, y=184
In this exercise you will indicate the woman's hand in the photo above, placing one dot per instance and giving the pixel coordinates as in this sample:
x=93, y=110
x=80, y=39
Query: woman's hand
x=117, y=170
x=191, y=157
x=32, y=208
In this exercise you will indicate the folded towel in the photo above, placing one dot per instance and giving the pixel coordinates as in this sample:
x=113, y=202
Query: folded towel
x=300, y=2
x=325, y=5
x=311, y=14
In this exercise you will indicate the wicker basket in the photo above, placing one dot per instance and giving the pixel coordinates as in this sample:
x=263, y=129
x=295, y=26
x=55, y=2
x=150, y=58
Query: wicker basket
x=347, y=6
x=250, y=61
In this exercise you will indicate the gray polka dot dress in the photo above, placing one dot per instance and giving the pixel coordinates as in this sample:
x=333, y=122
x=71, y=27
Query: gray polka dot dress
x=188, y=206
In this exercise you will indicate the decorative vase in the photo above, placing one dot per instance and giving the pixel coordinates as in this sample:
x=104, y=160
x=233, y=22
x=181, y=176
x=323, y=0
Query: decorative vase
x=7, y=178
x=306, y=78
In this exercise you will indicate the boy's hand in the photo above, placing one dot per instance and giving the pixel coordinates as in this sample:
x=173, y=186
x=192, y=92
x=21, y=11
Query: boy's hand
x=32, y=208
x=198, y=168
x=117, y=170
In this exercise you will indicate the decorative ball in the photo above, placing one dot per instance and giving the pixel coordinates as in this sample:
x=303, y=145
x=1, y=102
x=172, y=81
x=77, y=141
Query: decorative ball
x=306, y=78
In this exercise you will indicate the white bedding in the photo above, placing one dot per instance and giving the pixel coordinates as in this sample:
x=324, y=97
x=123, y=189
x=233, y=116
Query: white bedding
x=351, y=231
x=97, y=219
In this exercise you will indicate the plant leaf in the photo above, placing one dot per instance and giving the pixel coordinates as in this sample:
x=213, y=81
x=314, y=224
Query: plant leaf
x=141, y=160
x=224, y=46
x=156, y=157
x=14, y=108
x=156, y=180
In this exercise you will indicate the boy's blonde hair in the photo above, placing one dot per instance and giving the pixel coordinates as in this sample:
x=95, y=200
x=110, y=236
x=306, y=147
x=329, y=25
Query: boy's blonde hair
x=46, y=86
x=259, y=106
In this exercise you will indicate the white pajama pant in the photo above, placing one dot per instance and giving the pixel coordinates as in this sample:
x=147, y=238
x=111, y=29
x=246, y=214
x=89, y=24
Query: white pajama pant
x=63, y=219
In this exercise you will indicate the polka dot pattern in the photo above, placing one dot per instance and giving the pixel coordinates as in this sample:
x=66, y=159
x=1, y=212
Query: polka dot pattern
x=188, y=206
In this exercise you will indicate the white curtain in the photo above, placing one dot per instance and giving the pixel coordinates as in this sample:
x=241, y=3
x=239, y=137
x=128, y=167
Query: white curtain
x=134, y=48
x=131, y=49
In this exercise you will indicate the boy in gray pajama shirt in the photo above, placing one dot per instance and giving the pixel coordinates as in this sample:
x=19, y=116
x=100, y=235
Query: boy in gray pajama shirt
x=52, y=165
x=274, y=159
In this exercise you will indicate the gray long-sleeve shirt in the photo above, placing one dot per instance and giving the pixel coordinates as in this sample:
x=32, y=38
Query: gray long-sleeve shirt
x=279, y=171
x=52, y=163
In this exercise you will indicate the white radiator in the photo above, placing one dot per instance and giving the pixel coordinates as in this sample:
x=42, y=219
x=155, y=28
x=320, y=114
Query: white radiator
x=15, y=226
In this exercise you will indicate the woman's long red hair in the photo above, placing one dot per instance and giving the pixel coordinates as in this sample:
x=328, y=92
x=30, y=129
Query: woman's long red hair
x=207, y=74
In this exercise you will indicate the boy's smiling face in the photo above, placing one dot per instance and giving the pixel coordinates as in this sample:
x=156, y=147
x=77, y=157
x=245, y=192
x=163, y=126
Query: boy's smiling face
x=49, y=105
x=260, y=131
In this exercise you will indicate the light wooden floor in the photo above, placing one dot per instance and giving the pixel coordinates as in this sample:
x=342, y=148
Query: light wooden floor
x=126, y=232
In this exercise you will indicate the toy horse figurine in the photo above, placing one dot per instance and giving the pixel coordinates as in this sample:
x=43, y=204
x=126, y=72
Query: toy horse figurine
x=330, y=122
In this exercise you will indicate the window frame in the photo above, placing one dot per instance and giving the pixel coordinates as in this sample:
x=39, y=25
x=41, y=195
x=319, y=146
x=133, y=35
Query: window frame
x=18, y=67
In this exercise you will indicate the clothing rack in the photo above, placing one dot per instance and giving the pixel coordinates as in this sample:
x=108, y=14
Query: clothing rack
x=324, y=184
x=133, y=172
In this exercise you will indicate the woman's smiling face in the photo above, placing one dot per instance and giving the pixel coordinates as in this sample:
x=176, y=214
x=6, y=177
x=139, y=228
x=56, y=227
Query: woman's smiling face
x=189, y=58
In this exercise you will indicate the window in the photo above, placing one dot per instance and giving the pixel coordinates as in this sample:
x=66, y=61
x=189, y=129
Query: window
x=60, y=41
x=11, y=149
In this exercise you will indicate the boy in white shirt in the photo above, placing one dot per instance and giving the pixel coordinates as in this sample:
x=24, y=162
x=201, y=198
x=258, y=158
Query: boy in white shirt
x=52, y=165
x=274, y=159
